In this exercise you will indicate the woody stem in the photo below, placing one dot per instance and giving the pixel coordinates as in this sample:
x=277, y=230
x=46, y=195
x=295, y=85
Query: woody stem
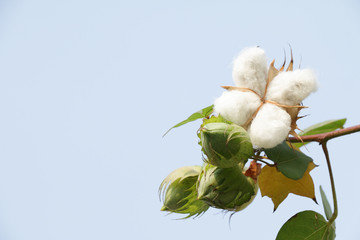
x=320, y=138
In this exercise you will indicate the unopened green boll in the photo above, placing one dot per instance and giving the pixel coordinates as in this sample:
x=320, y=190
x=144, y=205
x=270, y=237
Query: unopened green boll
x=226, y=188
x=179, y=192
x=225, y=145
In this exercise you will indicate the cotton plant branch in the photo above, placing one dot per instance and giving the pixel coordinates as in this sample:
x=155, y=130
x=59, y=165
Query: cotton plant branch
x=322, y=139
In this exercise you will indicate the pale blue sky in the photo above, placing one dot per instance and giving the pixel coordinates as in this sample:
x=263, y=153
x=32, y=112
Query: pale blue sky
x=87, y=88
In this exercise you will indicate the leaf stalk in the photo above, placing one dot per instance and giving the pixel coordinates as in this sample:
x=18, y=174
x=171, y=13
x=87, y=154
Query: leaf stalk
x=326, y=152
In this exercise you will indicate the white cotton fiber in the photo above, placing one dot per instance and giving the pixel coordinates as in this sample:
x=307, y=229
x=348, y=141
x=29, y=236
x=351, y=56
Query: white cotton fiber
x=270, y=127
x=291, y=88
x=237, y=106
x=250, y=69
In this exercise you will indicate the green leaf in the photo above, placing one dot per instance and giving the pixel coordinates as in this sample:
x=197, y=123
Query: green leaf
x=326, y=204
x=307, y=225
x=323, y=127
x=290, y=162
x=203, y=113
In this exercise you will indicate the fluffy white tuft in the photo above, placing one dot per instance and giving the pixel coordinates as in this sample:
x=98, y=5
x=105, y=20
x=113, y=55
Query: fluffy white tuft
x=237, y=106
x=291, y=88
x=270, y=127
x=250, y=69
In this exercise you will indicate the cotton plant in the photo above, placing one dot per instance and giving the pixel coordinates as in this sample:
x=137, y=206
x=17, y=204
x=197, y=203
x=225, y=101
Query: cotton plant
x=265, y=101
x=246, y=145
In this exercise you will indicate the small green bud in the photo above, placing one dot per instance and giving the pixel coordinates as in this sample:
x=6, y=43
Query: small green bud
x=179, y=192
x=225, y=145
x=226, y=188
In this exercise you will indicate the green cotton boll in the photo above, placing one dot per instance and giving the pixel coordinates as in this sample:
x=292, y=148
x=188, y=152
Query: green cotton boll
x=226, y=188
x=179, y=192
x=225, y=145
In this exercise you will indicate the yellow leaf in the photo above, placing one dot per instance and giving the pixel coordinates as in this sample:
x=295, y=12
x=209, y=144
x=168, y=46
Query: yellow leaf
x=276, y=186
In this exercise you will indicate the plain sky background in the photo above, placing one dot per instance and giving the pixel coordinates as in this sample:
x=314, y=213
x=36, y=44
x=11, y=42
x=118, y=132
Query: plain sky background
x=87, y=88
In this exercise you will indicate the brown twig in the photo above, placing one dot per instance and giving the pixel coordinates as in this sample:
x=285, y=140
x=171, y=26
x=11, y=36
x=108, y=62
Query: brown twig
x=323, y=137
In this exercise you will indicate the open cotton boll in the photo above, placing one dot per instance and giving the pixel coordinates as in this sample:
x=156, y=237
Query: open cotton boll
x=291, y=88
x=270, y=127
x=237, y=106
x=250, y=69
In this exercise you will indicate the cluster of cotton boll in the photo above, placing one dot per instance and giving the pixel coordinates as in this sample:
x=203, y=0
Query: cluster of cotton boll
x=259, y=105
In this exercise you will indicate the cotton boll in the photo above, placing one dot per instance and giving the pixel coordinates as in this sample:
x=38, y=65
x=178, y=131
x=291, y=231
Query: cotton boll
x=291, y=88
x=250, y=69
x=270, y=127
x=237, y=106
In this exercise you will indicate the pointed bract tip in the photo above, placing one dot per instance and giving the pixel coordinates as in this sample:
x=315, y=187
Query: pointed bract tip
x=283, y=66
x=291, y=64
x=226, y=87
